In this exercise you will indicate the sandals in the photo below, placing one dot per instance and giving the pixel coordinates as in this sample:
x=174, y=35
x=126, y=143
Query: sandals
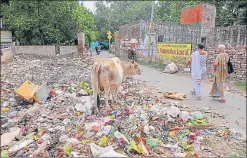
x=192, y=92
x=222, y=100
x=198, y=98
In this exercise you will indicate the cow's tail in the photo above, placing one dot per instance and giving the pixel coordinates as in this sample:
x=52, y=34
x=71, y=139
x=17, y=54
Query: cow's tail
x=95, y=83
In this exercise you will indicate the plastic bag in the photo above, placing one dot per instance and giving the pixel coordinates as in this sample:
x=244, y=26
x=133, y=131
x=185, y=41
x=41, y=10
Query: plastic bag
x=73, y=141
x=105, y=130
x=4, y=153
x=186, y=146
x=133, y=146
x=63, y=138
x=235, y=134
x=170, y=146
x=42, y=147
x=153, y=143
x=85, y=141
x=119, y=135
x=103, y=141
x=197, y=115
x=67, y=149
x=173, y=111
x=184, y=115
x=143, y=149
x=104, y=152
x=233, y=154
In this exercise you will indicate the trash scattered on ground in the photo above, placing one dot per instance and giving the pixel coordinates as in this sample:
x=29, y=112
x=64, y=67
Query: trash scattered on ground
x=174, y=95
x=61, y=124
x=171, y=68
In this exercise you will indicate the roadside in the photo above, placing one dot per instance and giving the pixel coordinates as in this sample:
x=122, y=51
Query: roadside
x=236, y=87
x=234, y=109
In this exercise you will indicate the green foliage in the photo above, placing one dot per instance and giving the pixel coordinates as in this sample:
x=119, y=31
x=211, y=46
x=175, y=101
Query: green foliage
x=111, y=15
x=48, y=22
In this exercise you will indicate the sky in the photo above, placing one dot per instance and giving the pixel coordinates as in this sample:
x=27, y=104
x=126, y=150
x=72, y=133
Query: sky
x=89, y=5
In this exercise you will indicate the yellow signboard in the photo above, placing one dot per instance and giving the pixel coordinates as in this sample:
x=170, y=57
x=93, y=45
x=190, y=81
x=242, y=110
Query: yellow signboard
x=174, y=52
x=109, y=37
x=109, y=33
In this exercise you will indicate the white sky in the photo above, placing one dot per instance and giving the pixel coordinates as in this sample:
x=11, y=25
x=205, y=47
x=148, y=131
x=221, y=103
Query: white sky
x=89, y=5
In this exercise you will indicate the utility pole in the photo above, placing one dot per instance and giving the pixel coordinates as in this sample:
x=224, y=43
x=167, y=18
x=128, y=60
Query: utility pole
x=150, y=31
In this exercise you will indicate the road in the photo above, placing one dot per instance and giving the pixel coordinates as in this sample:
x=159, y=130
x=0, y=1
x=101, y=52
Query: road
x=234, y=109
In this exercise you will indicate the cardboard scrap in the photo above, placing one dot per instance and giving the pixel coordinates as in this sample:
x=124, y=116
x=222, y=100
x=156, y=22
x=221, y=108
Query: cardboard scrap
x=174, y=95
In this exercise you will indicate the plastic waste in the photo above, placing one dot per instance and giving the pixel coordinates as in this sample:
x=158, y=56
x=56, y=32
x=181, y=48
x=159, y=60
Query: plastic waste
x=153, y=143
x=104, y=152
x=172, y=133
x=119, y=135
x=22, y=143
x=155, y=109
x=133, y=146
x=85, y=141
x=173, y=111
x=73, y=141
x=233, y=154
x=4, y=153
x=103, y=141
x=104, y=130
x=146, y=130
x=67, y=148
x=95, y=128
x=4, y=109
x=235, y=134
x=184, y=115
x=179, y=155
x=170, y=146
x=6, y=138
x=197, y=115
x=42, y=147
x=186, y=146
x=142, y=147
x=75, y=154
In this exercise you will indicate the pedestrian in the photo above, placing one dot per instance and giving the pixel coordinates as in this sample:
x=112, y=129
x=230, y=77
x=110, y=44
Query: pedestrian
x=198, y=69
x=220, y=74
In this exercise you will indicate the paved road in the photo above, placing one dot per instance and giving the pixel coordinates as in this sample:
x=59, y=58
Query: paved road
x=234, y=109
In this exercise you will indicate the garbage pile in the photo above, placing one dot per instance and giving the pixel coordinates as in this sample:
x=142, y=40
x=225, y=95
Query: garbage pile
x=141, y=123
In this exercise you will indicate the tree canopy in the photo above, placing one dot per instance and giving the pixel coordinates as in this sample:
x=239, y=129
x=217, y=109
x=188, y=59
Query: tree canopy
x=48, y=22
x=112, y=14
x=57, y=22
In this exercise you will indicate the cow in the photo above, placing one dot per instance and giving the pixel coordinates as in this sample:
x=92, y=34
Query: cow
x=108, y=74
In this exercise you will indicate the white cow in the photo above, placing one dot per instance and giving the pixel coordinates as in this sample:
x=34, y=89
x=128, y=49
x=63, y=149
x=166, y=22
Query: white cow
x=108, y=74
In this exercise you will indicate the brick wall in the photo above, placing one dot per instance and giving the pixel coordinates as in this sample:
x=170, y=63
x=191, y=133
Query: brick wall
x=238, y=59
x=36, y=50
x=68, y=49
x=44, y=50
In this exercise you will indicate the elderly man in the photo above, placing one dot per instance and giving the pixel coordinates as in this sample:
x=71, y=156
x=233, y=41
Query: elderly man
x=220, y=74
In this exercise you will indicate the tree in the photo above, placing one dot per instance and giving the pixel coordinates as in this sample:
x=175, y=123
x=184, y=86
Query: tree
x=111, y=15
x=48, y=22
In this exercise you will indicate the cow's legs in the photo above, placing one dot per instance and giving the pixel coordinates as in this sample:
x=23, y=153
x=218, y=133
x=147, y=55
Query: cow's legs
x=117, y=93
x=112, y=90
x=95, y=106
x=107, y=92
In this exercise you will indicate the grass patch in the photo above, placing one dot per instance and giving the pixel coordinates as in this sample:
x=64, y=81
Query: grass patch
x=156, y=65
x=240, y=84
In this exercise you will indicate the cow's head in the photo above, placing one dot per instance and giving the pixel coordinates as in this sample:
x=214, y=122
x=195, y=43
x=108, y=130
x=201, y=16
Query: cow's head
x=134, y=68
